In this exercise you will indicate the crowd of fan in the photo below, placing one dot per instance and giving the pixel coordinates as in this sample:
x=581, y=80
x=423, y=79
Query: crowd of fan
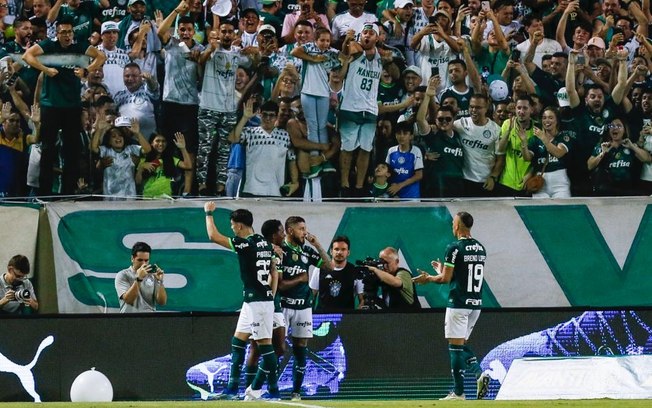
x=265, y=98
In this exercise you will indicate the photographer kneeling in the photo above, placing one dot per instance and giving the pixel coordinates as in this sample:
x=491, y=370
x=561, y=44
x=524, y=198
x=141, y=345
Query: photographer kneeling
x=16, y=291
x=398, y=290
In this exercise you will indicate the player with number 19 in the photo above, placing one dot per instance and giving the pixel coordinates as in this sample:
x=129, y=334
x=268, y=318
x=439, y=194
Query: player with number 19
x=463, y=268
x=260, y=279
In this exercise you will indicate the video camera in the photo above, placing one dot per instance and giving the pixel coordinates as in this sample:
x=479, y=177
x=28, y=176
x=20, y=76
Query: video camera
x=370, y=282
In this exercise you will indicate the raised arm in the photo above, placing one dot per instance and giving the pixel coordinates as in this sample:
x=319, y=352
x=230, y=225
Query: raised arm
x=54, y=11
x=536, y=39
x=164, y=29
x=422, y=121
x=248, y=113
x=619, y=90
x=180, y=142
x=211, y=229
x=560, y=33
x=573, y=97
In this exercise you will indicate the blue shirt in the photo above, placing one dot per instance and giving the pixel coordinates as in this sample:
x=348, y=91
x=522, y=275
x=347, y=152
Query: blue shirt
x=403, y=166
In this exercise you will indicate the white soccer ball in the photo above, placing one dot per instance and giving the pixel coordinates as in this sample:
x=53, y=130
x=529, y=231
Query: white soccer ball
x=91, y=386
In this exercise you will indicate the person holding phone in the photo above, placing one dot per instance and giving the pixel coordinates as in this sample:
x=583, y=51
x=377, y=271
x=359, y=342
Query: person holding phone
x=533, y=23
x=140, y=287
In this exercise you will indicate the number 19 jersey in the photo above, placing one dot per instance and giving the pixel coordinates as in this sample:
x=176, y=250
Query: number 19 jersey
x=467, y=256
x=255, y=256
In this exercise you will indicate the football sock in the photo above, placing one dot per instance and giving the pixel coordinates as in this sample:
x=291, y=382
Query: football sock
x=250, y=374
x=299, y=369
x=237, y=358
x=266, y=370
x=457, y=367
x=472, y=362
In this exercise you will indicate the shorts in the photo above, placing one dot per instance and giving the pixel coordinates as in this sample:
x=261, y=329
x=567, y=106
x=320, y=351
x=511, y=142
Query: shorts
x=459, y=323
x=279, y=320
x=257, y=319
x=357, y=129
x=299, y=322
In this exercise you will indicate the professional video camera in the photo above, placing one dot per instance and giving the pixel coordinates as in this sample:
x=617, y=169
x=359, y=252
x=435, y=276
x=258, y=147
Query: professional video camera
x=370, y=281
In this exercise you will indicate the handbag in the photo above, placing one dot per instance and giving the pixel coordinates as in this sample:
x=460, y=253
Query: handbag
x=535, y=183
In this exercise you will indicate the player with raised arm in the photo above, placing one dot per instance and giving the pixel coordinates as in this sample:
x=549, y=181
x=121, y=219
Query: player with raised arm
x=463, y=268
x=260, y=279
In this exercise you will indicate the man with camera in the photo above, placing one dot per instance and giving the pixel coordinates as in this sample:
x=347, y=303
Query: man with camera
x=336, y=290
x=140, y=287
x=396, y=282
x=16, y=291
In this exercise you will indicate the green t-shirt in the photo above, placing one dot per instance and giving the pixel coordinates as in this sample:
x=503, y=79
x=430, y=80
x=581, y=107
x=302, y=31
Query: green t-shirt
x=158, y=184
x=450, y=162
x=64, y=89
x=495, y=62
x=536, y=146
x=255, y=256
x=516, y=167
x=467, y=257
x=297, y=260
x=617, y=163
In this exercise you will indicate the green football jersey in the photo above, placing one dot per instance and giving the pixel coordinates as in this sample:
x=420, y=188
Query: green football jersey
x=255, y=256
x=297, y=260
x=467, y=257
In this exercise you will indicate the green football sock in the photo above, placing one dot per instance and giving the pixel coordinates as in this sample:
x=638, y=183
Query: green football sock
x=250, y=374
x=299, y=368
x=457, y=367
x=266, y=370
x=237, y=358
x=472, y=362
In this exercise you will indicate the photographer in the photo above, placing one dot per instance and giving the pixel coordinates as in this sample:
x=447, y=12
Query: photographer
x=140, y=287
x=398, y=290
x=16, y=291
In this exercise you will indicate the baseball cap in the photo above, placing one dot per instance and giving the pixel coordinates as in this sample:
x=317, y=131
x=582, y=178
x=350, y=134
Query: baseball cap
x=132, y=2
x=250, y=9
x=371, y=26
x=221, y=8
x=402, y=3
x=596, y=42
x=562, y=98
x=498, y=90
x=412, y=69
x=266, y=27
x=109, y=26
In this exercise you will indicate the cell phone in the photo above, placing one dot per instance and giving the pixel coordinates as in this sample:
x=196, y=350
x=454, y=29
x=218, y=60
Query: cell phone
x=434, y=71
x=516, y=55
x=581, y=60
x=12, y=79
x=486, y=5
x=432, y=20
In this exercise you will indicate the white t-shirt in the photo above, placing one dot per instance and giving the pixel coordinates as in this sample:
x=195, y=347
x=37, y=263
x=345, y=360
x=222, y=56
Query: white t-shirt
x=344, y=22
x=181, y=75
x=116, y=59
x=139, y=105
x=119, y=179
x=547, y=47
x=435, y=54
x=480, y=144
x=218, y=87
x=265, y=162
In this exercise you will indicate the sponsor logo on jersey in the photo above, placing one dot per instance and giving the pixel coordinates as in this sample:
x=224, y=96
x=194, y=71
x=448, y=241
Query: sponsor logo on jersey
x=475, y=144
x=242, y=245
x=475, y=247
x=474, y=302
x=619, y=164
x=457, y=152
x=293, y=302
x=294, y=270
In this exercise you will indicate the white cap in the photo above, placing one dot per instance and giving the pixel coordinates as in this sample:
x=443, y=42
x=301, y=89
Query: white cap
x=402, y=3
x=562, y=98
x=109, y=26
x=498, y=90
x=412, y=69
x=266, y=27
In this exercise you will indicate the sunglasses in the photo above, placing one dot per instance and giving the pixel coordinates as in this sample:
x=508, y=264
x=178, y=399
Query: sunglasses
x=445, y=119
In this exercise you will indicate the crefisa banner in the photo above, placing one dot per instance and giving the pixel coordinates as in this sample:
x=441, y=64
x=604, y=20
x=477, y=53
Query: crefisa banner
x=540, y=253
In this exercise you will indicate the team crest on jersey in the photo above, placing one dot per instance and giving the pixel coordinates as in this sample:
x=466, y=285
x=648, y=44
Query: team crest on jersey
x=486, y=134
x=626, y=151
x=304, y=259
x=295, y=257
x=334, y=288
x=401, y=160
x=605, y=113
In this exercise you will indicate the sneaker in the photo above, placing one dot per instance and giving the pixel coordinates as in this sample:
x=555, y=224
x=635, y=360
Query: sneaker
x=453, y=397
x=225, y=395
x=295, y=396
x=483, y=385
x=253, y=395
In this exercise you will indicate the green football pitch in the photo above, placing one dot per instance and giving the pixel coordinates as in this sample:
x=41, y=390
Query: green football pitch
x=603, y=403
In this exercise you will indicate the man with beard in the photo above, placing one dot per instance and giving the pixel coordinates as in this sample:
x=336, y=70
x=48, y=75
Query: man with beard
x=180, y=96
x=590, y=120
x=359, y=108
x=336, y=290
x=138, y=97
x=23, y=40
x=218, y=105
x=296, y=296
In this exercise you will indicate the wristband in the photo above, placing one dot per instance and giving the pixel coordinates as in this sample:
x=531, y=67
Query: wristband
x=209, y=213
x=139, y=280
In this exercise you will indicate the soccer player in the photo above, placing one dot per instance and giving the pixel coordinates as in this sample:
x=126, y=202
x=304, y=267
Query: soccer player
x=296, y=295
x=463, y=268
x=260, y=278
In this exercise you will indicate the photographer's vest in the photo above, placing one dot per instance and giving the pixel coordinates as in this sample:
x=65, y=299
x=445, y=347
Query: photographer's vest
x=396, y=300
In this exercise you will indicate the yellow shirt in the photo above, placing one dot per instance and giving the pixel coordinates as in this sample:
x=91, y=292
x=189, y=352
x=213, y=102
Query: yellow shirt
x=516, y=167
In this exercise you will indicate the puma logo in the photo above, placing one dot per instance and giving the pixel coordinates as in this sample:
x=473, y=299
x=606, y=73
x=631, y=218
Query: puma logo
x=24, y=372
